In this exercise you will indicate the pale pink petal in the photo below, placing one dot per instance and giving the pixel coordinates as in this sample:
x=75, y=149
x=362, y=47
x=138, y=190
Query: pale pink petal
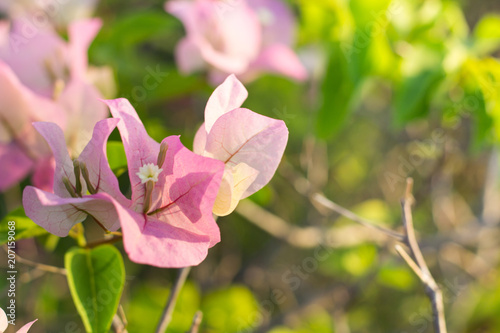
x=64, y=165
x=180, y=9
x=94, y=158
x=228, y=35
x=228, y=96
x=139, y=147
x=84, y=108
x=243, y=136
x=279, y=59
x=200, y=140
x=235, y=32
x=14, y=165
x=277, y=20
x=19, y=106
x=58, y=215
x=3, y=321
x=188, y=56
x=43, y=175
x=186, y=190
x=235, y=183
x=26, y=327
x=81, y=34
x=157, y=243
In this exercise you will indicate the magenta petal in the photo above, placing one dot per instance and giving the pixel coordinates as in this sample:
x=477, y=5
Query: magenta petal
x=139, y=147
x=228, y=96
x=14, y=165
x=58, y=215
x=188, y=186
x=243, y=136
x=157, y=243
x=64, y=165
x=81, y=34
x=280, y=59
x=26, y=327
x=94, y=158
x=43, y=175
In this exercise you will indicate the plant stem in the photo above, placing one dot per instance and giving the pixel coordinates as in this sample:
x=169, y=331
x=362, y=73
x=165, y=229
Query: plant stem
x=196, y=322
x=166, y=317
x=417, y=263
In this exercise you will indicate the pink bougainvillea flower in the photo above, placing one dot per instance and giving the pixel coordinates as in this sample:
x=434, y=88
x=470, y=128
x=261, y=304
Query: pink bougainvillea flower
x=4, y=323
x=82, y=186
x=43, y=79
x=169, y=222
x=250, y=145
x=241, y=37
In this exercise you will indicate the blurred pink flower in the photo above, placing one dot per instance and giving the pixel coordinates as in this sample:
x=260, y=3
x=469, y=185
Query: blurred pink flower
x=250, y=145
x=241, y=37
x=43, y=78
x=169, y=222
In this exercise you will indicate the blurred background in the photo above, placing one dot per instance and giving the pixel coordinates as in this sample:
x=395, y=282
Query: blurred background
x=396, y=89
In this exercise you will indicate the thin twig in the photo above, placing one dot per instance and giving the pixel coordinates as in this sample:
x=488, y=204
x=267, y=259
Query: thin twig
x=326, y=203
x=166, y=316
x=406, y=257
x=198, y=316
x=42, y=267
x=118, y=324
x=306, y=237
x=418, y=264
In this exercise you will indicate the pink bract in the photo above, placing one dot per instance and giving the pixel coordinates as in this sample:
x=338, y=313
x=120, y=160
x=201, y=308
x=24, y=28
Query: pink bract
x=250, y=145
x=178, y=227
x=59, y=211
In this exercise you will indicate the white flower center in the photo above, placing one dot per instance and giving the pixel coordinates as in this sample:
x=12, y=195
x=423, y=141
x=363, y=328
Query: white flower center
x=149, y=172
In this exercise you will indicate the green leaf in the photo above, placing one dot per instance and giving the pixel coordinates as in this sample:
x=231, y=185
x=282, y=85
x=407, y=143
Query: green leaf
x=116, y=155
x=24, y=227
x=337, y=90
x=413, y=98
x=96, y=278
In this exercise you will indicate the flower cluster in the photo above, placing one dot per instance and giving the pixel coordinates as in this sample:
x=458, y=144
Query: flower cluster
x=168, y=221
x=244, y=37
